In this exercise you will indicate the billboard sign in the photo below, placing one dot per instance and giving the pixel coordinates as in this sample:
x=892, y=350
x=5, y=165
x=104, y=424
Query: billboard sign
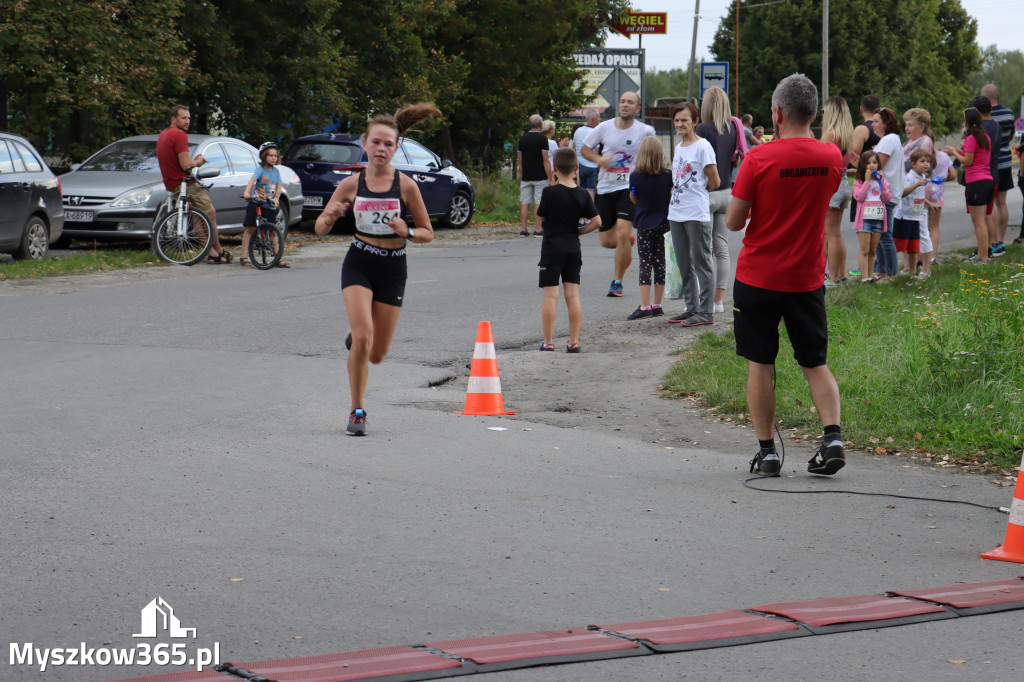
x=608, y=73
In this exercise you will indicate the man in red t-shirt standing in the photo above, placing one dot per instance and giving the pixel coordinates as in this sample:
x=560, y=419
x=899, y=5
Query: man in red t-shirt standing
x=784, y=188
x=175, y=161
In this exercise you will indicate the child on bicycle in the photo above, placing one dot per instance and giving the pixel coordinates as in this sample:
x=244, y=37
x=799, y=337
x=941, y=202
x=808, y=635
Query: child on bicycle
x=264, y=186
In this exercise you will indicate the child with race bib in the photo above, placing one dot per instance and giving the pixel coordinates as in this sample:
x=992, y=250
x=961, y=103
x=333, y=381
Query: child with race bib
x=871, y=192
x=910, y=227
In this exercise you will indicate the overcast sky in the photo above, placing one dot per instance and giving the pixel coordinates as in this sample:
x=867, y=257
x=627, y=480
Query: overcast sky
x=1000, y=23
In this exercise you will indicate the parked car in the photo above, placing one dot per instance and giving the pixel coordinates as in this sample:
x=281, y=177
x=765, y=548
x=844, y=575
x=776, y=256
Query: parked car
x=115, y=193
x=322, y=161
x=31, y=215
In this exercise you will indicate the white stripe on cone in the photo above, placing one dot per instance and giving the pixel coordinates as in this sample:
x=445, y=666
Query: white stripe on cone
x=1017, y=512
x=484, y=351
x=484, y=385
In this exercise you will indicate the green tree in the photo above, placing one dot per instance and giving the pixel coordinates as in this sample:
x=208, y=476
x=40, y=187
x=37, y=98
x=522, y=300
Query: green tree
x=871, y=50
x=263, y=70
x=518, y=61
x=79, y=75
x=1006, y=70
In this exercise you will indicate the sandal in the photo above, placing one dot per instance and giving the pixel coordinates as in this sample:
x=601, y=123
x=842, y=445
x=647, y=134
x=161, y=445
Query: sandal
x=218, y=259
x=547, y=346
x=282, y=264
x=572, y=348
x=226, y=255
x=244, y=261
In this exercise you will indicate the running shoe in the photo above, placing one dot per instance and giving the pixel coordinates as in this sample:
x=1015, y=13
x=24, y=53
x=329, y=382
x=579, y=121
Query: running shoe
x=357, y=422
x=547, y=346
x=679, y=318
x=657, y=311
x=766, y=463
x=639, y=313
x=615, y=290
x=698, y=320
x=573, y=348
x=854, y=273
x=719, y=308
x=997, y=250
x=829, y=459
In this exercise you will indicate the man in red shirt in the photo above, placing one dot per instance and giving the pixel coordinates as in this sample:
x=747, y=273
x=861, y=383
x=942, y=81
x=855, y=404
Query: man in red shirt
x=784, y=188
x=173, y=154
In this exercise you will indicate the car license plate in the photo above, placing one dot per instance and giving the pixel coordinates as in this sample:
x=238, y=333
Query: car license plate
x=77, y=216
x=312, y=201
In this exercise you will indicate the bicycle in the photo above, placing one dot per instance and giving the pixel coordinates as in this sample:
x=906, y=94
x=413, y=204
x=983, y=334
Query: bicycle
x=266, y=245
x=182, y=234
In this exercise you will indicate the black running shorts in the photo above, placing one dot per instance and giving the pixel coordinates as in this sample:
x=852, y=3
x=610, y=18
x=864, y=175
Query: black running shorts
x=756, y=317
x=382, y=271
x=613, y=207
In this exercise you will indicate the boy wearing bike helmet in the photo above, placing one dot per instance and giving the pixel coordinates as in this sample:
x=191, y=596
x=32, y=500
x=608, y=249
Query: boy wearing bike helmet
x=263, y=186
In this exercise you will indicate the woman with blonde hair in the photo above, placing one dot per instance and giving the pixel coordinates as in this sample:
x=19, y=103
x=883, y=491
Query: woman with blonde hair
x=837, y=129
x=718, y=128
x=650, y=186
x=374, y=273
x=916, y=124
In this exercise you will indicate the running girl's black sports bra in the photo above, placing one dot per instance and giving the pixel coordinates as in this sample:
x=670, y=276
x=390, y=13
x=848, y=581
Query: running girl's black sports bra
x=373, y=210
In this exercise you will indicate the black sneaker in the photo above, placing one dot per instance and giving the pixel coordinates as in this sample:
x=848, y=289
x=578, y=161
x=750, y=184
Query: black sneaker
x=357, y=422
x=348, y=341
x=829, y=459
x=766, y=464
x=679, y=318
x=657, y=311
x=639, y=313
x=698, y=320
x=615, y=290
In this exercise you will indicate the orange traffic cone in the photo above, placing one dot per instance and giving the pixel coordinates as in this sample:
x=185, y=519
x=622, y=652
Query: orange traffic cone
x=1013, y=548
x=483, y=396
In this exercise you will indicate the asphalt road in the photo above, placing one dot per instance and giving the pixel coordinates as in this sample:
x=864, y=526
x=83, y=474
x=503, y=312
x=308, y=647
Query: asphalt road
x=178, y=433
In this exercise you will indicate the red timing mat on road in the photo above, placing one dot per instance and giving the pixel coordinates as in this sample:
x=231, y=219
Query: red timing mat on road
x=726, y=628
x=970, y=599
x=570, y=645
x=856, y=612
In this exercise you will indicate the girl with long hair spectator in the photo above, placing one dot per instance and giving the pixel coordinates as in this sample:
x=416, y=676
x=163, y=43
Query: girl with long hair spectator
x=718, y=128
x=650, y=187
x=975, y=156
x=374, y=273
x=837, y=128
x=890, y=159
x=871, y=190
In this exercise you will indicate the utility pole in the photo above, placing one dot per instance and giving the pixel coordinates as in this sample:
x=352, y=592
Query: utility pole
x=824, y=51
x=693, y=53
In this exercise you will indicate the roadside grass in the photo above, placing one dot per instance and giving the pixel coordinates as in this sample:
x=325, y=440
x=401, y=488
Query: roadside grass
x=933, y=368
x=497, y=199
x=80, y=262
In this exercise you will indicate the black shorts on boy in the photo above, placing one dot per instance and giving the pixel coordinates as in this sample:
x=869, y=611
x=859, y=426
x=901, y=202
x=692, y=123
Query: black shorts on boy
x=559, y=266
x=756, y=317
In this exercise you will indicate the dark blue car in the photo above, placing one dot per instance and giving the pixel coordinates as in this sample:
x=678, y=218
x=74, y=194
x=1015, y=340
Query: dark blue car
x=322, y=161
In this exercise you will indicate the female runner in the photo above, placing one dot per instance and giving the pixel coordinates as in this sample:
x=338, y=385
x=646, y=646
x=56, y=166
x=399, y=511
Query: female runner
x=374, y=273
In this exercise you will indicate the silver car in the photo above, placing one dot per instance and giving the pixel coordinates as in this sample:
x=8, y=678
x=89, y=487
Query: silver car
x=115, y=193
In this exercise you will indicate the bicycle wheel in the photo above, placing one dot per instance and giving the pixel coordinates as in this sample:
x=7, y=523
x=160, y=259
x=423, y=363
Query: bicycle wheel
x=266, y=246
x=183, y=247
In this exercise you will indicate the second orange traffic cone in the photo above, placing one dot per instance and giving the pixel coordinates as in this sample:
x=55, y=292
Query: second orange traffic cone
x=1013, y=548
x=483, y=396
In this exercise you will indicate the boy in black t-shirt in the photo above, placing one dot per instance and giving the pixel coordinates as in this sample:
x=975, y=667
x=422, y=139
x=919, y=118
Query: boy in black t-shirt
x=562, y=206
